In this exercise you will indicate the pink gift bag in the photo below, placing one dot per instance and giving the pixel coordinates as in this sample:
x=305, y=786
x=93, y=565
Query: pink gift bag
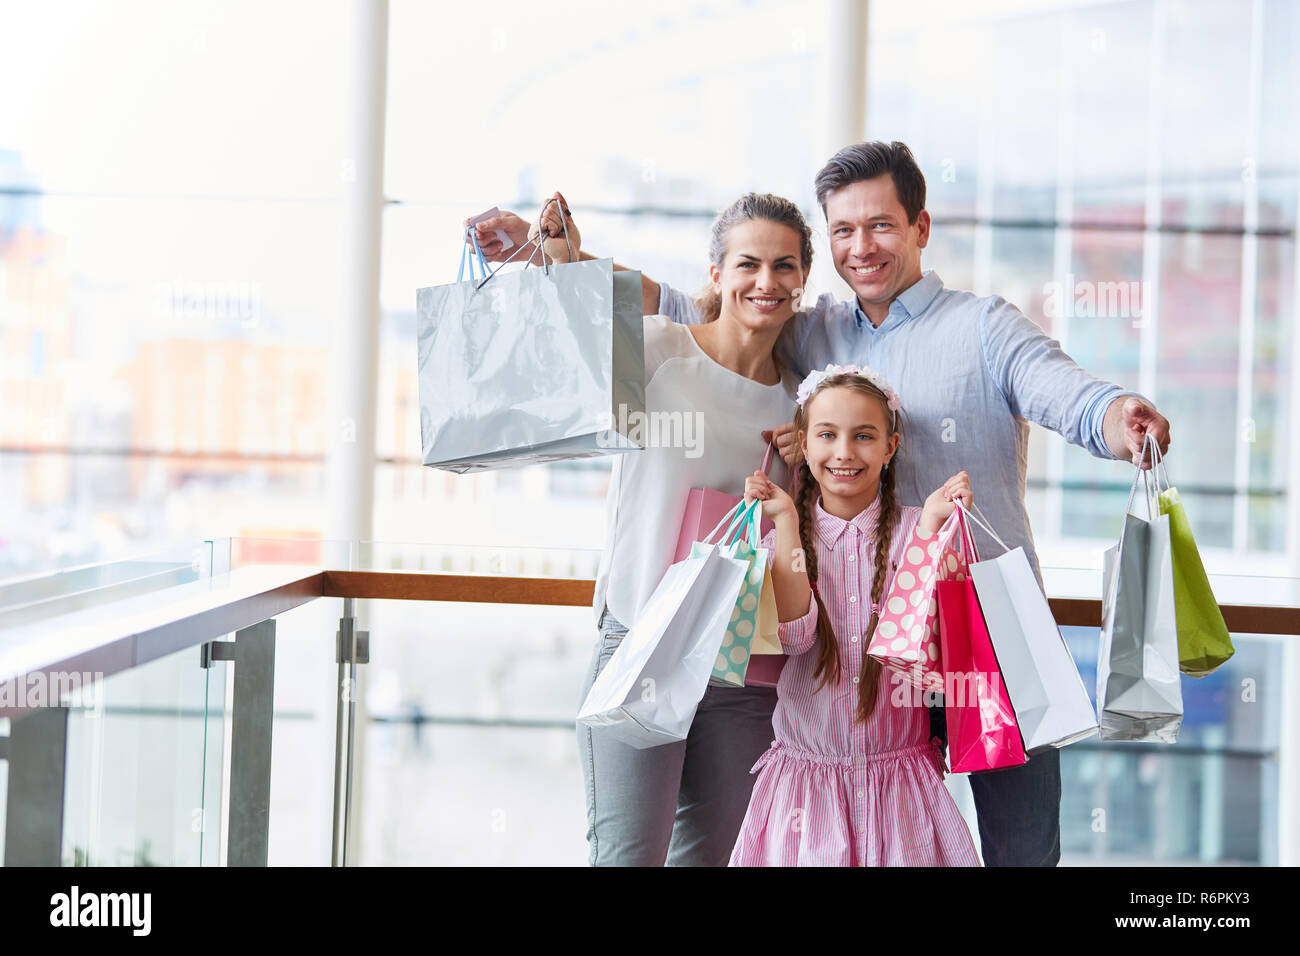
x=705, y=509
x=906, y=638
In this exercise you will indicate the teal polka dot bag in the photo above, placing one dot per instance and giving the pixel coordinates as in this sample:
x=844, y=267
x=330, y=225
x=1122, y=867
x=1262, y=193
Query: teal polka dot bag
x=740, y=540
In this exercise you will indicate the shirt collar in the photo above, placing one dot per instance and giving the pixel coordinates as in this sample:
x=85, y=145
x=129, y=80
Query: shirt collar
x=830, y=528
x=910, y=303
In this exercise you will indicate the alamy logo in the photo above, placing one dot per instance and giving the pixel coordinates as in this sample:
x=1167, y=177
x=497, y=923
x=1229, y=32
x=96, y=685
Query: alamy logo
x=102, y=909
x=80, y=690
x=1094, y=300
x=656, y=429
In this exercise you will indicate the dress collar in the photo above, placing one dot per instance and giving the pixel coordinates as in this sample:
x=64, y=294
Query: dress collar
x=829, y=528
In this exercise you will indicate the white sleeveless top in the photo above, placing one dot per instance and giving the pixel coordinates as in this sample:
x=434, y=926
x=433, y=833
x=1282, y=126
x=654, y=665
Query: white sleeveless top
x=702, y=429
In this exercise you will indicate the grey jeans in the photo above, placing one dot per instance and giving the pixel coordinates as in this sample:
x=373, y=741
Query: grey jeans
x=680, y=803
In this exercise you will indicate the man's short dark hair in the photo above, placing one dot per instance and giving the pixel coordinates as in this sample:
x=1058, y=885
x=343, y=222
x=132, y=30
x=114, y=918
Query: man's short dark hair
x=863, y=161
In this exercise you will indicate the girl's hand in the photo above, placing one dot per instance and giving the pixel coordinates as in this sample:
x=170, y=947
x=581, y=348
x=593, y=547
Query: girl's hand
x=776, y=502
x=940, y=504
x=555, y=219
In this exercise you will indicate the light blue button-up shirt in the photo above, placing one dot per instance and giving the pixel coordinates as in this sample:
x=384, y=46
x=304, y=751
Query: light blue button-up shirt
x=971, y=372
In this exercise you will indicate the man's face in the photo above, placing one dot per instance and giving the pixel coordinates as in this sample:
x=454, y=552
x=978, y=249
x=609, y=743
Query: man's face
x=876, y=251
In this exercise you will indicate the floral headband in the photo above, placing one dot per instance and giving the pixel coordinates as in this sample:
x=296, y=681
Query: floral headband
x=817, y=376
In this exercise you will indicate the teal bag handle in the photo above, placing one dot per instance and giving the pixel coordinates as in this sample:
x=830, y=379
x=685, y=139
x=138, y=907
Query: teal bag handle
x=748, y=527
x=736, y=516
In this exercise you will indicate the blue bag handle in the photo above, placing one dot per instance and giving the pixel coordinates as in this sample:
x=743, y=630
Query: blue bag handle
x=465, y=255
x=535, y=244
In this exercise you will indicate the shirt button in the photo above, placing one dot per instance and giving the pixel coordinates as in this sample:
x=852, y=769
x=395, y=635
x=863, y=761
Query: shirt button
x=855, y=680
x=853, y=599
x=855, y=638
x=862, y=829
x=852, y=557
x=859, y=793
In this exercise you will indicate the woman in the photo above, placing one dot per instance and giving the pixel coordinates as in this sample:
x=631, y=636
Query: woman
x=683, y=803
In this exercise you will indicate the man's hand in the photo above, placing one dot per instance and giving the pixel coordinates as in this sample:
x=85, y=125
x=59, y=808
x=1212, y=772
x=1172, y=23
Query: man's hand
x=786, y=440
x=1128, y=422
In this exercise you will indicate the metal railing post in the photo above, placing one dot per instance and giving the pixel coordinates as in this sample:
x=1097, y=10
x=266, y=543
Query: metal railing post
x=37, y=753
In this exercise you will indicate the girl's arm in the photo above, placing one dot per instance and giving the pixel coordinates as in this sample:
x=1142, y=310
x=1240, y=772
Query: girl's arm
x=789, y=566
x=789, y=574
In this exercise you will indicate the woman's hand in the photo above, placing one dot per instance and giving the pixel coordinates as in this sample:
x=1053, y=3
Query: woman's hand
x=486, y=232
x=556, y=221
x=775, y=500
x=940, y=504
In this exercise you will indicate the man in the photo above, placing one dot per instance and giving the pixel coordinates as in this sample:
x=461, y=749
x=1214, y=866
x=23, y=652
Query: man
x=972, y=373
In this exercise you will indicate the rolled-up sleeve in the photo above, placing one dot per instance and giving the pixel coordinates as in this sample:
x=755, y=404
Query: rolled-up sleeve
x=1041, y=383
x=678, y=306
x=799, y=636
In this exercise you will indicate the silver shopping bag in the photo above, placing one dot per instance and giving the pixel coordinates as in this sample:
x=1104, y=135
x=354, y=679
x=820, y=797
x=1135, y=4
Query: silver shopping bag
x=1051, y=704
x=649, y=690
x=1139, y=692
x=533, y=366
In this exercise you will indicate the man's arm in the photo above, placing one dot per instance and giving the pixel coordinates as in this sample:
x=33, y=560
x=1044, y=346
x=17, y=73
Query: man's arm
x=1042, y=384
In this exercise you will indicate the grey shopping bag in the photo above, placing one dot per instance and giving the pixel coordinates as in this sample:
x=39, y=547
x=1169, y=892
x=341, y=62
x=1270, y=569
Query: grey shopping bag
x=533, y=366
x=1051, y=704
x=650, y=688
x=1139, y=692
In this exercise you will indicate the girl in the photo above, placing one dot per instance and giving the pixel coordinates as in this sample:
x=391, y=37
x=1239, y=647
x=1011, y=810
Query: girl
x=682, y=803
x=852, y=778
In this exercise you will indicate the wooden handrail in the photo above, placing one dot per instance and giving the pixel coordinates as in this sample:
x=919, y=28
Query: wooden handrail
x=576, y=592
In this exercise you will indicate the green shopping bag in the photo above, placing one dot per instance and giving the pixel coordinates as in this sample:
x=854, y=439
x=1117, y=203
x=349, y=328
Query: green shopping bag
x=1203, y=641
x=740, y=540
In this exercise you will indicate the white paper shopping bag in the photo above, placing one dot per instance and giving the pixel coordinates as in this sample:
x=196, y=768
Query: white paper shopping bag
x=648, y=692
x=1046, y=691
x=1139, y=687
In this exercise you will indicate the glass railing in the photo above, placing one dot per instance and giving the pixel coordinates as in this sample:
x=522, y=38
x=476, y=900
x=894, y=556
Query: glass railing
x=250, y=711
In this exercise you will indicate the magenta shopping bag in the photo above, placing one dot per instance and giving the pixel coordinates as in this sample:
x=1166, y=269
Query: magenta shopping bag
x=982, y=729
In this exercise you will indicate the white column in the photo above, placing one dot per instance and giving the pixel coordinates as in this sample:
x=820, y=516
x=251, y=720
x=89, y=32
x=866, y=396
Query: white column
x=350, y=432
x=844, y=117
x=845, y=107
x=350, y=435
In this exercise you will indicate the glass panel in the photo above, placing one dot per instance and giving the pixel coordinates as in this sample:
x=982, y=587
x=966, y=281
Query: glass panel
x=471, y=753
x=1201, y=175
x=1268, y=429
x=140, y=768
x=1279, y=142
x=179, y=119
x=1211, y=798
x=1200, y=302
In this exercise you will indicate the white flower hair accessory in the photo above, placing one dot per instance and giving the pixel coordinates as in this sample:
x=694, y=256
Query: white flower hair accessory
x=817, y=376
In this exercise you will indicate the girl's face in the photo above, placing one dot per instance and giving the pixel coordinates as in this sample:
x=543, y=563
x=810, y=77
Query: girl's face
x=760, y=273
x=847, y=442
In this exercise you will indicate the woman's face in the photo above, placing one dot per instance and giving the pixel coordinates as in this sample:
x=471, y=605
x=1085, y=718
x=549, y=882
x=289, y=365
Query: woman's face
x=760, y=273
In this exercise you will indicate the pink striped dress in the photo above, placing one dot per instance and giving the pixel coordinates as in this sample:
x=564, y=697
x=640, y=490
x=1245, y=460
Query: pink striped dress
x=832, y=791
